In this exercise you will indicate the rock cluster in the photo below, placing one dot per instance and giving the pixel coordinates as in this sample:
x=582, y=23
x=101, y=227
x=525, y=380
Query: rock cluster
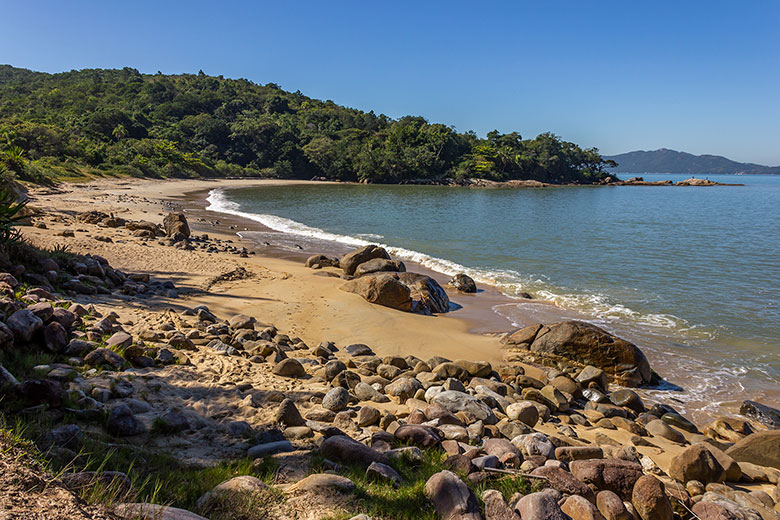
x=376, y=277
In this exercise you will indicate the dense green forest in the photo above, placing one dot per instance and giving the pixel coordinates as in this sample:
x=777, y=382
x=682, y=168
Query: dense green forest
x=122, y=122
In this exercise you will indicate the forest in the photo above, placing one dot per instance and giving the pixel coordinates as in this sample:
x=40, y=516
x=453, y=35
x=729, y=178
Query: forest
x=99, y=122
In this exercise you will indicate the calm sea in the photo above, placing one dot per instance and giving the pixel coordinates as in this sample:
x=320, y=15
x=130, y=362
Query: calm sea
x=690, y=274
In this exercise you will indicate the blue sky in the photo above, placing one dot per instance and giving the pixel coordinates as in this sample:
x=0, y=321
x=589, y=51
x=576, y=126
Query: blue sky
x=703, y=77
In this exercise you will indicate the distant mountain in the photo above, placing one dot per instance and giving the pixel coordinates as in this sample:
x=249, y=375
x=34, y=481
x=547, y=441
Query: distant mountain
x=671, y=161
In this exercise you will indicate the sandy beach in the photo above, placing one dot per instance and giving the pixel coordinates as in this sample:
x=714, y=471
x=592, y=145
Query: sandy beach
x=280, y=291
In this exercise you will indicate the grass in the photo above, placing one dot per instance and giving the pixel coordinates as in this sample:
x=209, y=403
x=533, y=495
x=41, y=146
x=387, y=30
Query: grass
x=20, y=362
x=408, y=501
x=155, y=477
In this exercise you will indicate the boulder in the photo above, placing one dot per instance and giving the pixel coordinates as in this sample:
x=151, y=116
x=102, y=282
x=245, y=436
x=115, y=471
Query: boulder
x=403, y=388
x=580, y=344
x=242, y=322
x=336, y=399
x=762, y=448
x=542, y=505
x=382, y=289
x=496, y=507
x=378, y=472
x=242, y=485
x=55, y=337
x=650, y=500
x=318, y=482
x=417, y=434
x=269, y=448
x=175, y=225
x=463, y=283
x=659, y=428
x=451, y=498
x=144, y=511
x=379, y=265
x=341, y=448
x=289, y=367
x=288, y=414
x=24, y=324
x=523, y=411
x=103, y=357
x=350, y=261
x=474, y=409
x=427, y=295
x=122, y=422
x=578, y=508
x=761, y=413
x=563, y=481
x=612, y=507
x=321, y=260
x=614, y=475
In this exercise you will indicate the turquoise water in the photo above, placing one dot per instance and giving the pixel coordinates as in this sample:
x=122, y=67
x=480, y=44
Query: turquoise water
x=691, y=274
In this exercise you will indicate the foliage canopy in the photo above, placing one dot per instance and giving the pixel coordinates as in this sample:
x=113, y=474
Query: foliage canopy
x=193, y=125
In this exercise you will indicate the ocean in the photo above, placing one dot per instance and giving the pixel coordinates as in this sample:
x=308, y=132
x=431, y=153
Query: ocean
x=689, y=274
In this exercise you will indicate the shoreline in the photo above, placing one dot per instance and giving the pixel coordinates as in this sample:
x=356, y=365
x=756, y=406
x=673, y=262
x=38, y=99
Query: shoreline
x=303, y=310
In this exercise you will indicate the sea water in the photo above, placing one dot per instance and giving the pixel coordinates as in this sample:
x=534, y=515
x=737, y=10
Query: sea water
x=690, y=274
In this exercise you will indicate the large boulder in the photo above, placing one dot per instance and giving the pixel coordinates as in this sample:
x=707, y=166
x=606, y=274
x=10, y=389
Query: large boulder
x=474, y=409
x=451, y=497
x=376, y=265
x=382, y=289
x=24, y=324
x=650, y=500
x=581, y=344
x=762, y=448
x=350, y=261
x=616, y=475
x=175, y=225
x=429, y=297
x=463, y=283
x=762, y=413
x=341, y=448
x=696, y=463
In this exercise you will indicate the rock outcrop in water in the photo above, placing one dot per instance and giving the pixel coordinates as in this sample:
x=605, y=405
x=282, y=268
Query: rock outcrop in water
x=578, y=344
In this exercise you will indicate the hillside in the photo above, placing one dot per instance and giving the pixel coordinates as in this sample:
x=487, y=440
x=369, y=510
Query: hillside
x=671, y=161
x=108, y=122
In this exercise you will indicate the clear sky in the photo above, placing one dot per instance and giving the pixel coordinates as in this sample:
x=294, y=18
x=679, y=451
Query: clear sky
x=698, y=76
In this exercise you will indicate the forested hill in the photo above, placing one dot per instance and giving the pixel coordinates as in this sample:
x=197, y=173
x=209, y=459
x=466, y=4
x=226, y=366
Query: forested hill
x=671, y=161
x=153, y=125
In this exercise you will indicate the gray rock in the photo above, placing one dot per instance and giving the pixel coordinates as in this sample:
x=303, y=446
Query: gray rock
x=463, y=283
x=318, y=482
x=288, y=414
x=79, y=347
x=55, y=337
x=336, y=399
x=122, y=422
x=103, y=357
x=417, y=434
x=289, y=367
x=451, y=498
x=340, y=448
x=350, y=261
x=367, y=416
x=473, y=408
x=241, y=322
x=24, y=324
x=119, y=340
x=269, y=448
x=403, y=388
x=523, y=411
x=378, y=472
x=761, y=413
x=542, y=505
x=366, y=392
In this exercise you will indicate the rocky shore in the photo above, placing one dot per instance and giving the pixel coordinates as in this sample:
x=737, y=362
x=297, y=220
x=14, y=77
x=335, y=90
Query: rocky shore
x=99, y=354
